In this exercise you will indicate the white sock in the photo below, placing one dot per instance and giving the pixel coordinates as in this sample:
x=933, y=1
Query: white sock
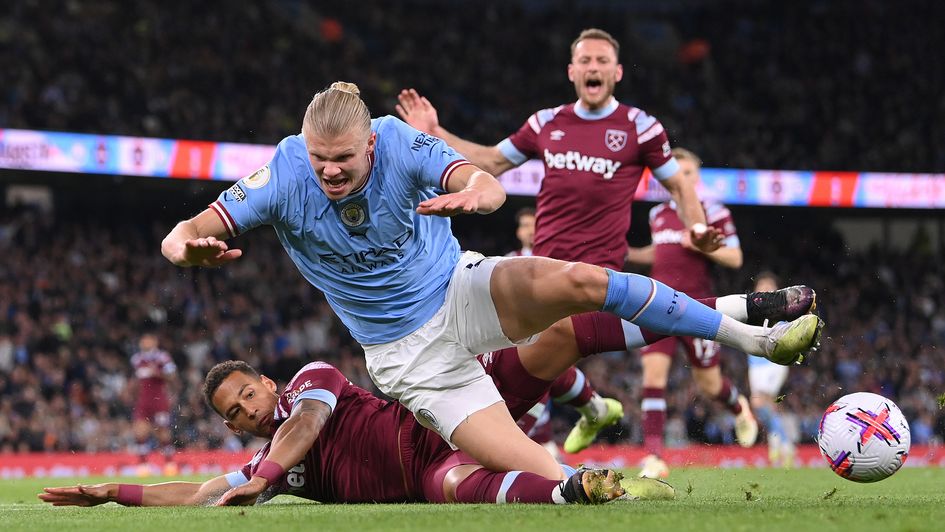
x=747, y=338
x=594, y=409
x=735, y=306
x=632, y=336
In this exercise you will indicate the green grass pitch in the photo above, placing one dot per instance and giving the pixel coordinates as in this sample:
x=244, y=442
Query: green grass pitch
x=707, y=499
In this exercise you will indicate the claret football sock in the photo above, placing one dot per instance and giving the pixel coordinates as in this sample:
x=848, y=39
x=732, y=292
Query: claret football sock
x=572, y=388
x=513, y=486
x=653, y=407
x=601, y=332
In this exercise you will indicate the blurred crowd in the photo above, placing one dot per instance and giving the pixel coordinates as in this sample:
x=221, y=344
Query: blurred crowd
x=822, y=84
x=77, y=295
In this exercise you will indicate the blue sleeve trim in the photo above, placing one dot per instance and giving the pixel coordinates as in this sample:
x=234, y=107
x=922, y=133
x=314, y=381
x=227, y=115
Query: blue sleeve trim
x=667, y=170
x=510, y=152
x=236, y=479
x=732, y=242
x=319, y=395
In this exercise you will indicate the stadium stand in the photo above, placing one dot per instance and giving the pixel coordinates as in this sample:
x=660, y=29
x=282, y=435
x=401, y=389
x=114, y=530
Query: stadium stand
x=843, y=85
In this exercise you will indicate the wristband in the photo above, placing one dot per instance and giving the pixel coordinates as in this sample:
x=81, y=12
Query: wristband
x=270, y=471
x=130, y=494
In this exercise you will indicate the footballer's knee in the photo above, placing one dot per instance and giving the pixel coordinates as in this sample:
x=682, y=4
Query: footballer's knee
x=454, y=477
x=585, y=284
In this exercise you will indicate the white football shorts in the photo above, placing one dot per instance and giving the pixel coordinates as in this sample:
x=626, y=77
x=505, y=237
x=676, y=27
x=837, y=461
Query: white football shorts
x=433, y=371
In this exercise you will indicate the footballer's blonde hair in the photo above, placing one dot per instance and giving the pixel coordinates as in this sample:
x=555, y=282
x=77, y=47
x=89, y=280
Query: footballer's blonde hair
x=596, y=33
x=337, y=110
x=683, y=153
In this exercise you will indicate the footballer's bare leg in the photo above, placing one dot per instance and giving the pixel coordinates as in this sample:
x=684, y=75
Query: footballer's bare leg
x=493, y=439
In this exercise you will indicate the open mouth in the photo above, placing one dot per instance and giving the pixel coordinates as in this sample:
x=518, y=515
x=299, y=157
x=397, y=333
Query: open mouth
x=335, y=185
x=594, y=86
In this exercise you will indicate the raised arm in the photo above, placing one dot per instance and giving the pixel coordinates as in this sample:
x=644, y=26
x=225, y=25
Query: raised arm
x=291, y=441
x=164, y=494
x=728, y=257
x=698, y=236
x=417, y=111
x=199, y=242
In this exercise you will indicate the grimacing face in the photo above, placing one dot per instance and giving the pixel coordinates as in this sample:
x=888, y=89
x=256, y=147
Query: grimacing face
x=342, y=163
x=247, y=403
x=594, y=70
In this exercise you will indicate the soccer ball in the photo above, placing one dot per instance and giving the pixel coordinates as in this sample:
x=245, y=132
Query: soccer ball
x=864, y=437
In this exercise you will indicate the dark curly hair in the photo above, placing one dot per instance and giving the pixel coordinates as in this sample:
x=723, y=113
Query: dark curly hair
x=219, y=373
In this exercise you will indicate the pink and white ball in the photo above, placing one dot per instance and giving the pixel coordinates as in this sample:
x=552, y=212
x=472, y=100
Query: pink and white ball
x=864, y=437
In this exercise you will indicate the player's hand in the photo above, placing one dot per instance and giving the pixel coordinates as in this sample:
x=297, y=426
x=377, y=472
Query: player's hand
x=80, y=495
x=703, y=239
x=462, y=202
x=245, y=494
x=417, y=111
x=207, y=252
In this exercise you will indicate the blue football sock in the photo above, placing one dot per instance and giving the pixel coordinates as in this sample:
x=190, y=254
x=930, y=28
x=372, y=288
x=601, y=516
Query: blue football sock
x=655, y=306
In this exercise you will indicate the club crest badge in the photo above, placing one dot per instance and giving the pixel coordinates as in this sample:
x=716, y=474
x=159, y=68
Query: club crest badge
x=615, y=139
x=353, y=214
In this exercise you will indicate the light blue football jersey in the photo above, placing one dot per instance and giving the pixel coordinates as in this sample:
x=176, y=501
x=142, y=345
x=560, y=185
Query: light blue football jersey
x=383, y=268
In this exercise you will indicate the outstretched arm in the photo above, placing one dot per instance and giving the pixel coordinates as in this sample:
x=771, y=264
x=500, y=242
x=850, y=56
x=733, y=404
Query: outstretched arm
x=164, y=494
x=470, y=190
x=417, y=111
x=199, y=242
x=291, y=441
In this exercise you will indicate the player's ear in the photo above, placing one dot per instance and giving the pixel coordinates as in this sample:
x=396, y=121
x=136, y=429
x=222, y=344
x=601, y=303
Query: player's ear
x=268, y=383
x=619, y=72
x=571, y=71
x=232, y=427
x=371, y=143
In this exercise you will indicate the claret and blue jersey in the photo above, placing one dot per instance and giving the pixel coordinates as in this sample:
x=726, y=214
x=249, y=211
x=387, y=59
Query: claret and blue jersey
x=383, y=268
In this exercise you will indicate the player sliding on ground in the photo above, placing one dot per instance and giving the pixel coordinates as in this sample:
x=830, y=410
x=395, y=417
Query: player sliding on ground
x=334, y=442
x=362, y=207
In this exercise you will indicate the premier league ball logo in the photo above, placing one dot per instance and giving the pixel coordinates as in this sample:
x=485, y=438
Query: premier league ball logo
x=615, y=139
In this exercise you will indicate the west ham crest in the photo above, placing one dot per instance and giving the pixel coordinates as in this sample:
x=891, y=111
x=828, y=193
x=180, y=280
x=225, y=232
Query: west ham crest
x=615, y=139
